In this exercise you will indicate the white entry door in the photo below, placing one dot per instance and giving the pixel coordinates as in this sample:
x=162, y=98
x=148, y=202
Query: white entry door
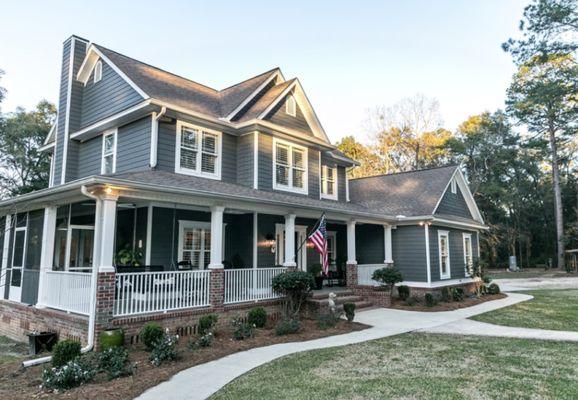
x=301, y=255
x=18, y=258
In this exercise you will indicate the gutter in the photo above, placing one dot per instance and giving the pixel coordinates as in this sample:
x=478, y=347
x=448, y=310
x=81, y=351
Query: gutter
x=93, y=286
x=155, y=137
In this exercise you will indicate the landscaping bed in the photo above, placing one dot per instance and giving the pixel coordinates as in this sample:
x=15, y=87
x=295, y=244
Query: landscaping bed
x=16, y=383
x=445, y=306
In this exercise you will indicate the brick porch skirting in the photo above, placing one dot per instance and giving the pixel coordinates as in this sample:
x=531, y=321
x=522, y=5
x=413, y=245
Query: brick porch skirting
x=379, y=298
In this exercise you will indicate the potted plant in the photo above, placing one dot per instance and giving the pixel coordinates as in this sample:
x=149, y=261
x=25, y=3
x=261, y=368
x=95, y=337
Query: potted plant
x=111, y=337
x=317, y=271
x=128, y=256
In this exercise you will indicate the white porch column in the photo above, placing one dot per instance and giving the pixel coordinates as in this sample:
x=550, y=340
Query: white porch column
x=47, y=252
x=290, y=241
x=387, y=244
x=107, y=232
x=6, y=246
x=351, y=256
x=427, y=255
x=216, y=237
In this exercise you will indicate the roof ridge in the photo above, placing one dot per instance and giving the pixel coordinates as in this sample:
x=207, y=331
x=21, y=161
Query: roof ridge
x=405, y=172
x=157, y=68
x=248, y=79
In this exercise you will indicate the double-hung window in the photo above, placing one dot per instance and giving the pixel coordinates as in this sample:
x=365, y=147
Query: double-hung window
x=108, y=165
x=444, y=254
x=290, y=167
x=468, y=255
x=198, y=151
x=329, y=182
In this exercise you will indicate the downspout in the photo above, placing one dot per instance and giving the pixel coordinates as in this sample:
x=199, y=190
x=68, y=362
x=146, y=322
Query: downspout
x=93, y=286
x=155, y=137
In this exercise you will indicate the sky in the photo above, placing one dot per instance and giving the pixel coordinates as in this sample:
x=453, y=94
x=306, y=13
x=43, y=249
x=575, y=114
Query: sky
x=350, y=56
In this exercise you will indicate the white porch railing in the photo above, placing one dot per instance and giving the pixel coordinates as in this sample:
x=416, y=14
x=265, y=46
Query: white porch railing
x=250, y=284
x=365, y=272
x=68, y=291
x=146, y=292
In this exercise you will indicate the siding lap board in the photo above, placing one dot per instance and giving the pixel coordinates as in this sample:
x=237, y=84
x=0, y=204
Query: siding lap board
x=409, y=255
x=454, y=204
x=280, y=117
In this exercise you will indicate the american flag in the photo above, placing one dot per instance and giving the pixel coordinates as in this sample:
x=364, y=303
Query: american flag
x=319, y=239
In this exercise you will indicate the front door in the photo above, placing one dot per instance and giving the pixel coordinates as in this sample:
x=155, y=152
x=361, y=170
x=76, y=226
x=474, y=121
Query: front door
x=300, y=245
x=18, y=259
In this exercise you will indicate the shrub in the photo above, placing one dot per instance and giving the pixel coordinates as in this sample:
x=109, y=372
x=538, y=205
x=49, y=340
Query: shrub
x=295, y=287
x=388, y=277
x=203, y=341
x=242, y=330
x=65, y=351
x=493, y=289
x=458, y=294
x=411, y=301
x=403, y=292
x=287, y=327
x=67, y=376
x=150, y=334
x=430, y=300
x=257, y=316
x=164, y=349
x=349, y=309
x=326, y=321
x=114, y=361
x=486, y=279
x=207, y=323
x=446, y=294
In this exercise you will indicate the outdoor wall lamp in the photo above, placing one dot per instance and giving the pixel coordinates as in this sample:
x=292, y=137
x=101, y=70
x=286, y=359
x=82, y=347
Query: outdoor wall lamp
x=270, y=241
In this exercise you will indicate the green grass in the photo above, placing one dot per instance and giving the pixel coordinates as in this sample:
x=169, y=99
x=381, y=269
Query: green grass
x=11, y=350
x=528, y=273
x=418, y=366
x=549, y=309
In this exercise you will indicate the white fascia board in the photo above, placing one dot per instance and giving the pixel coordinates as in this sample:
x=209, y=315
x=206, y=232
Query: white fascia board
x=276, y=75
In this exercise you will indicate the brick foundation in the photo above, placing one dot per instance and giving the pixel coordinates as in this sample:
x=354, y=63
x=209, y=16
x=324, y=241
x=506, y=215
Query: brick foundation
x=351, y=275
x=379, y=298
x=18, y=319
x=217, y=290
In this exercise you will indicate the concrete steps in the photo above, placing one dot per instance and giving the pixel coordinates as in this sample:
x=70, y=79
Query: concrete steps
x=320, y=301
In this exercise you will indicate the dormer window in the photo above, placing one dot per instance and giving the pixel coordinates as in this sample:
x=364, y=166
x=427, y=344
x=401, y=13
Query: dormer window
x=198, y=151
x=108, y=165
x=453, y=186
x=328, y=182
x=290, y=167
x=291, y=106
x=98, y=71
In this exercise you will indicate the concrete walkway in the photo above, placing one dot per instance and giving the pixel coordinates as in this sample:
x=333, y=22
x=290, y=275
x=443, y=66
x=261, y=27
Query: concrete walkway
x=469, y=327
x=203, y=380
x=515, y=285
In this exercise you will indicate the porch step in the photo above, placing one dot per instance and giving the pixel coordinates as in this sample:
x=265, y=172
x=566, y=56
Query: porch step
x=323, y=303
x=322, y=295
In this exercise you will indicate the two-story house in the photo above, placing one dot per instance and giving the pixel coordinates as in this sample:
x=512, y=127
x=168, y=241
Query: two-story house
x=206, y=194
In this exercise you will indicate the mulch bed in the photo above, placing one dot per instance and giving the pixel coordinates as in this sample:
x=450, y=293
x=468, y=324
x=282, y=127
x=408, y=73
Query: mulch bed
x=441, y=306
x=16, y=383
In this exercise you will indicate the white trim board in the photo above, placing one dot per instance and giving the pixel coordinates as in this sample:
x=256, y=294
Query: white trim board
x=437, y=284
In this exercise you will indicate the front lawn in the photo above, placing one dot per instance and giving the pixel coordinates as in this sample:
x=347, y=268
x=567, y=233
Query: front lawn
x=528, y=273
x=549, y=309
x=11, y=350
x=418, y=366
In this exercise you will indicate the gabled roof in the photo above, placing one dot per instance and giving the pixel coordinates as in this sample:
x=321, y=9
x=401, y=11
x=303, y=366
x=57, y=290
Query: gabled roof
x=409, y=194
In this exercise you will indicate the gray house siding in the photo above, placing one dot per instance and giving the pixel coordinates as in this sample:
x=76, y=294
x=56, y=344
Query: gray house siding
x=229, y=158
x=313, y=174
x=134, y=146
x=369, y=244
x=454, y=204
x=280, y=117
x=63, y=96
x=90, y=157
x=409, y=255
x=106, y=97
x=457, y=265
x=245, y=159
x=166, y=147
x=341, y=172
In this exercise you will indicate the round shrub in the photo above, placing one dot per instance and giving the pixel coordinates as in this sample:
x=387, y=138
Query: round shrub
x=446, y=294
x=493, y=289
x=349, y=309
x=430, y=300
x=458, y=294
x=150, y=334
x=257, y=316
x=387, y=276
x=114, y=361
x=207, y=323
x=65, y=351
x=164, y=349
x=287, y=326
x=69, y=375
x=403, y=292
x=295, y=287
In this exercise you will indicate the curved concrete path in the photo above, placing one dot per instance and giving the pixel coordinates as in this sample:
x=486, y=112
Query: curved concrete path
x=203, y=380
x=523, y=284
x=470, y=327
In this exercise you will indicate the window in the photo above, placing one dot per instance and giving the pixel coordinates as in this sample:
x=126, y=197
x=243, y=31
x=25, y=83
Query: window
x=444, y=250
x=290, y=167
x=108, y=153
x=453, y=185
x=329, y=182
x=195, y=243
x=331, y=248
x=98, y=71
x=468, y=255
x=198, y=151
x=291, y=106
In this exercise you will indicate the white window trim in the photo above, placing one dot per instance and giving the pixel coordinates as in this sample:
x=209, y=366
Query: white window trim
x=290, y=187
x=291, y=106
x=186, y=224
x=97, y=71
x=464, y=237
x=453, y=186
x=332, y=234
x=335, y=183
x=69, y=245
x=102, y=163
x=197, y=172
x=447, y=235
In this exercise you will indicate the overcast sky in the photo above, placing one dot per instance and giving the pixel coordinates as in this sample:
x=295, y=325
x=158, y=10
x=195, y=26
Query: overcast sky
x=349, y=55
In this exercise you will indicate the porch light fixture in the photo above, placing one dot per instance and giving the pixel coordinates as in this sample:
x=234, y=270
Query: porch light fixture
x=270, y=242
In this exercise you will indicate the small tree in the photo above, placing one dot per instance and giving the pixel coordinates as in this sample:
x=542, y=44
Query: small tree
x=388, y=277
x=295, y=287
